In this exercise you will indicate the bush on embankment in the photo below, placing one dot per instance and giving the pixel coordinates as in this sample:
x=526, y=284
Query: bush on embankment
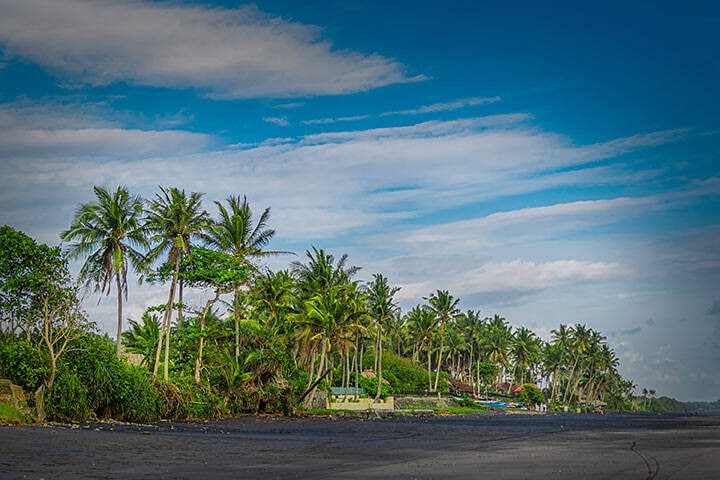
x=91, y=382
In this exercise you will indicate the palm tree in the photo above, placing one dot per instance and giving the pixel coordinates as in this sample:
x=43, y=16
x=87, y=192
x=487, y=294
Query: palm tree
x=396, y=329
x=553, y=361
x=173, y=220
x=236, y=232
x=272, y=292
x=143, y=337
x=471, y=325
x=581, y=338
x=422, y=326
x=525, y=349
x=382, y=309
x=321, y=272
x=108, y=233
x=327, y=296
x=444, y=306
x=328, y=324
x=499, y=336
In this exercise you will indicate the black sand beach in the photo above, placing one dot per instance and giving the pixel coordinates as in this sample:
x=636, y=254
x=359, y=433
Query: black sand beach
x=468, y=446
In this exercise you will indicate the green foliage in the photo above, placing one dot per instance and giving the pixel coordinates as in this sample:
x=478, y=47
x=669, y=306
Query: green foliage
x=200, y=401
x=142, y=338
x=461, y=410
x=370, y=385
x=22, y=361
x=29, y=274
x=93, y=382
x=486, y=371
x=69, y=399
x=402, y=374
x=531, y=395
x=702, y=406
x=671, y=404
x=464, y=401
x=10, y=414
x=291, y=326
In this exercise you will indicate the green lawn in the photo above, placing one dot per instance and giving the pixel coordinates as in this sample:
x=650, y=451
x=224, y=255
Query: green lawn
x=10, y=414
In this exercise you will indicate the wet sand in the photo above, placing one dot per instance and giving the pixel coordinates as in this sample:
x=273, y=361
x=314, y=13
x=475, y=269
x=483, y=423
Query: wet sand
x=563, y=446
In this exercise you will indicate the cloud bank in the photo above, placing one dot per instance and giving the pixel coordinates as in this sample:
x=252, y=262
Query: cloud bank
x=224, y=53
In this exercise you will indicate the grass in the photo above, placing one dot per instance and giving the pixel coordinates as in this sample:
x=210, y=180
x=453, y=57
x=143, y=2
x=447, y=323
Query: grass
x=460, y=410
x=10, y=414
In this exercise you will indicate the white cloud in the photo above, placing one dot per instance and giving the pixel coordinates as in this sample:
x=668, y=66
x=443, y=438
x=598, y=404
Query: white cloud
x=281, y=121
x=445, y=106
x=31, y=131
x=513, y=276
x=326, y=184
x=101, y=142
x=226, y=53
x=325, y=121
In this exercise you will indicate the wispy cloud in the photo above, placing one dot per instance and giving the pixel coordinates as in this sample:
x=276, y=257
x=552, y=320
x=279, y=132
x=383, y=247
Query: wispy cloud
x=324, y=121
x=225, y=53
x=520, y=276
x=290, y=105
x=61, y=131
x=322, y=178
x=434, y=108
x=282, y=121
x=445, y=106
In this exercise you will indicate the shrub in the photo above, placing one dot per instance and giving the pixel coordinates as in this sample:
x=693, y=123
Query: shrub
x=403, y=375
x=69, y=399
x=530, y=395
x=23, y=362
x=370, y=384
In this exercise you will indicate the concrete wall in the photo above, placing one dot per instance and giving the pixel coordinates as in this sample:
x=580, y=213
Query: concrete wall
x=12, y=394
x=362, y=404
x=422, y=401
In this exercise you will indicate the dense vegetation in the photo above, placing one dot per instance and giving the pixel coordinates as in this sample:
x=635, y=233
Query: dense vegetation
x=266, y=341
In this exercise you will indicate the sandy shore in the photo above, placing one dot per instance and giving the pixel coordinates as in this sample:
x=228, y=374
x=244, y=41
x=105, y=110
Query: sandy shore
x=469, y=446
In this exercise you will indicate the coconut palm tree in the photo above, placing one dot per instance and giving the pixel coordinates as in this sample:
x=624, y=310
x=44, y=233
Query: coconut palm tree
x=321, y=272
x=581, y=338
x=238, y=233
x=444, y=306
x=142, y=338
x=498, y=338
x=109, y=234
x=525, y=350
x=272, y=292
x=382, y=309
x=173, y=220
x=471, y=325
x=422, y=326
x=396, y=329
x=553, y=361
x=326, y=296
x=328, y=324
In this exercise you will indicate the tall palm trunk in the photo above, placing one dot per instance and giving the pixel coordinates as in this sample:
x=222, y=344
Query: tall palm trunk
x=356, y=365
x=118, y=342
x=180, y=303
x=439, y=361
x=166, y=326
x=321, y=367
x=429, y=357
x=199, y=359
x=378, y=354
x=236, y=307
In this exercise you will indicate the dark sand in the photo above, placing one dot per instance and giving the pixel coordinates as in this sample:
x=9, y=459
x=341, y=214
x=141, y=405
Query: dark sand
x=486, y=446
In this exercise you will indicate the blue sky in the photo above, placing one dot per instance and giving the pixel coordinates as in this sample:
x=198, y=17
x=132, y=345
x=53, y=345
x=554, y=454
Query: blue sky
x=551, y=163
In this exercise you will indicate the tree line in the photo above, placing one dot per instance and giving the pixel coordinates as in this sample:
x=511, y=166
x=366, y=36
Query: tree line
x=268, y=340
